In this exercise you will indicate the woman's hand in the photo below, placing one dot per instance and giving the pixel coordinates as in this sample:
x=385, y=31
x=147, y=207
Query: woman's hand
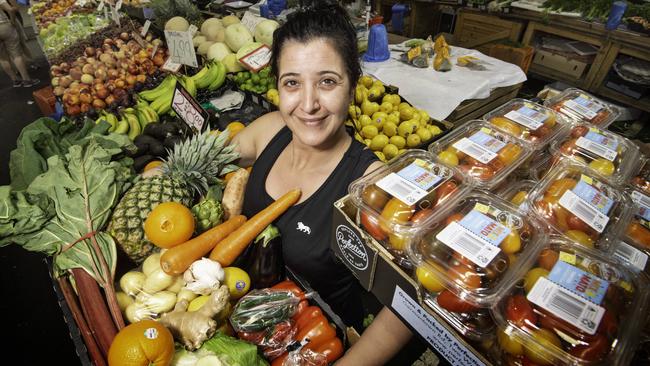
x=379, y=342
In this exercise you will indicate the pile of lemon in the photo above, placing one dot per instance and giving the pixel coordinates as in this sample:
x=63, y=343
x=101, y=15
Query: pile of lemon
x=386, y=124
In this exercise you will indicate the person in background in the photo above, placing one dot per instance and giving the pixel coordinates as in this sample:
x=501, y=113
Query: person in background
x=10, y=49
x=305, y=144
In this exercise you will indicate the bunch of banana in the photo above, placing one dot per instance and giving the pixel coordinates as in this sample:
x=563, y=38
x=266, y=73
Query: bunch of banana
x=163, y=102
x=162, y=89
x=145, y=114
x=134, y=129
x=188, y=83
x=208, y=74
x=221, y=75
x=110, y=118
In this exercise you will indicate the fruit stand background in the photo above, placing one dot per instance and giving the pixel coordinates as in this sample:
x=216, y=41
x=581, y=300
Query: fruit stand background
x=35, y=330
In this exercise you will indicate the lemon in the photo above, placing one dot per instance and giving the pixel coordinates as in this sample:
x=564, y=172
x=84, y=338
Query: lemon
x=237, y=280
x=378, y=142
x=369, y=131
x=389, y=129
x=413, y=140
x=198, y=302
x=390, y=151
x=398, y=141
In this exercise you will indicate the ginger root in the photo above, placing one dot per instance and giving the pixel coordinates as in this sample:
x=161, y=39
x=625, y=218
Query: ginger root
x=191, y=329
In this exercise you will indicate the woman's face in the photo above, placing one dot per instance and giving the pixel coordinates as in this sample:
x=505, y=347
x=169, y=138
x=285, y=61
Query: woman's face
x=314, y=91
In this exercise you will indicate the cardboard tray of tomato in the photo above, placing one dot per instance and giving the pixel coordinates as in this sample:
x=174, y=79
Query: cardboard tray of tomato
x=574, y=307
x=395, y=287
x=580, y=106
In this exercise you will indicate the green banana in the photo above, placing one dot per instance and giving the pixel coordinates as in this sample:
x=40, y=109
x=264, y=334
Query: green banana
x=162, y=88
x=151, y=114
x=109, y=118
x=203, y=78
x=122, y=126
x=221, y=76
x=163, y=103
x=189, y=85
x=134, y=126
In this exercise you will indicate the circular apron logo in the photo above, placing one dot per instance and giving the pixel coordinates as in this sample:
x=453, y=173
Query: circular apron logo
x=352, y=247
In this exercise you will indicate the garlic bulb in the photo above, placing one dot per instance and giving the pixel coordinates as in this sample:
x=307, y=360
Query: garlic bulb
x=203, y=276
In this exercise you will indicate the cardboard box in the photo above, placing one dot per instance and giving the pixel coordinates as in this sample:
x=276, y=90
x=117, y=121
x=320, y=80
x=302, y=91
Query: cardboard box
x=570, y=67
x=45, y=100
x=373, y=266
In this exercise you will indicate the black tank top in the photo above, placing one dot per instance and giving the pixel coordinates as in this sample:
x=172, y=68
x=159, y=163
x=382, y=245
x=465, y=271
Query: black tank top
x=306, y=227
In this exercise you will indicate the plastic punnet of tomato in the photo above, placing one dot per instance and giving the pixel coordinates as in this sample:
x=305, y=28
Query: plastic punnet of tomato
x=574, y=306
x=397, y=200
x=580, y=106
x=580, y=205
x=635, y=246
x=516, y=193
x=540, y=165
x=471, y=255
x=608, y=154
x=528, y=121
x=641, y=178
x=482, y=152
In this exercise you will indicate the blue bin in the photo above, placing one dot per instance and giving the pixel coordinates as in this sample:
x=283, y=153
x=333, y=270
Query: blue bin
x=377, y=44
x=397, y=19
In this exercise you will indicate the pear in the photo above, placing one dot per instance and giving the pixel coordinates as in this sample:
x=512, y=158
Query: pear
x=398, y=141
x=369, y=131
x=366, y=81
x=413, y=140
x=405, y=129
x=390, y=151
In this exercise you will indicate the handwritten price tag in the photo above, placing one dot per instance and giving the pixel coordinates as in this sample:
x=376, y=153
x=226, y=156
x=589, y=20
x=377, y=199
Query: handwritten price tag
x=257, y=59
x=171, y=66
x=118, y=5
x=181, y=49
x=101, y=6
x=188, y=109
x=250, y=21
x=115, y=16
x=145, y=28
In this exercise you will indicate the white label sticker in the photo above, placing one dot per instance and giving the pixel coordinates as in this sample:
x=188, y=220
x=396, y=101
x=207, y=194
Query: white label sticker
x=566, y=305
x=474, y=150
x=170, y=66
x=181, y=49
x=468, y=244
x=443, y=341
x=192, y=29
x=632, y=255
x=585, y=212
x=528, y=117
x=145, y=28
x=584, y=107
x=641, y=199
x=401, y=189
x=596, y=148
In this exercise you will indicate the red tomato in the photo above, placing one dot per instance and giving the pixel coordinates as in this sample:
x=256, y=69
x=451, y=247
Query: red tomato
x=332, y=349
x=446, y=189
x=290, y=286
x=608, y=324
x=569, y=147
x=560, y=214
x=547, y=259
x=574, y=223
x=374, y=197
x=464, y=275
x=318, y=330
x=540, y=132
x=520, y=312
x=453, y=218
x=421, y=215
x=579, y=131
x=639, y=234
x=449, y=301
x=312, y=312
x=371, y=224
x=595, y=350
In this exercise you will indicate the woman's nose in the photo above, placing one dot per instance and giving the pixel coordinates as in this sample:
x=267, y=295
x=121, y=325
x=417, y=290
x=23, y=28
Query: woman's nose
x=309, y=100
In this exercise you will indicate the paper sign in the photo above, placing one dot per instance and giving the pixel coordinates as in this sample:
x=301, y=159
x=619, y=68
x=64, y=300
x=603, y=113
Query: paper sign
x=251, y=20
x=192, y=29
x=145, y=28
x=257, y=59
x=170, y=66
x=105, y=13
x=188, y=109
x=181, y=49
x=138, y=39
x=115, y=16
x=118, y=5
x=153, y=52
x=101, y=6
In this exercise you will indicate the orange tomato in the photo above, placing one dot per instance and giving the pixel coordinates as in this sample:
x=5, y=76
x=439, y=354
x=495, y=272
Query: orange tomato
x=509, y=154
x=639, y=234
x=464, y=275
x=397, y=211
x=559, y=186
x=507, y=125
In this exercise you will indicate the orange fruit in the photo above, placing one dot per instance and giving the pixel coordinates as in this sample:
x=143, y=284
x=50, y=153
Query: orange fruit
x=169, y=224
x=235, y=127
x=152, y=164
x=143, y=343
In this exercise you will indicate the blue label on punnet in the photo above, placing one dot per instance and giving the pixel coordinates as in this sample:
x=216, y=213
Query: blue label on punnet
x=419, y=176
x=602, y=140
x=593, y=197
x=584, y=284
x=487, y=141
x=483, y=226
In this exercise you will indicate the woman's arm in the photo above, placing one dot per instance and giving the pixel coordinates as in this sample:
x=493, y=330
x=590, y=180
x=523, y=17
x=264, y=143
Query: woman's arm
x=385, y=336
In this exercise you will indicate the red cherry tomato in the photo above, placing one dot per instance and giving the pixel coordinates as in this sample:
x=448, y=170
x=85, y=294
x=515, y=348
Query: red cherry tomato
x=446, y=189
x=594, y=350
x=464, y=275
x=574, y=223
x=547, y=258
x=421, y=215
x=371, y=225
x=453, y=218
x=520, y=312
x=449, y=301
x=374, y=197
x=608, y=324
x=579, y=131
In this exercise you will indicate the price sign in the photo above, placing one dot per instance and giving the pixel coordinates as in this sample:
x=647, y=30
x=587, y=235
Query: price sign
x=257, y=59
x=170, y=66
x=181, y=49
x=145, y=28
x=188, y=109
x=105, y=13
x=192, y=29
x=251, y=21
x=101, y=6
x=118, y=5
x=115, y=16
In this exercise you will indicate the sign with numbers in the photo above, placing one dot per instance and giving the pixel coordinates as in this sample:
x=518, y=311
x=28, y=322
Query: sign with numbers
x=188, y=109
x=181, y=49
x=257, y=59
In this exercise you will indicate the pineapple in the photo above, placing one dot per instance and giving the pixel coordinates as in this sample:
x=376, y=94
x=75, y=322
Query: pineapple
x=186, y=174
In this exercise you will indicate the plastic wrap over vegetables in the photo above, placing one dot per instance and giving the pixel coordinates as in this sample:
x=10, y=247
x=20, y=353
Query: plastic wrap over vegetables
x=260, y=309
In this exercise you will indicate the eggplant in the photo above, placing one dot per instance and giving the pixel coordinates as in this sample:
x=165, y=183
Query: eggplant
x=141, y=161
x=265, y=264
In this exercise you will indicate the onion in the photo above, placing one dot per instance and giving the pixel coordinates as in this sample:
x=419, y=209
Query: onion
x=132, y=282
x=151, y=264
x=160, y=302
x=98, y=103
x=89, y=51
x=88, y=69
x=123, y=300
x=157, y=280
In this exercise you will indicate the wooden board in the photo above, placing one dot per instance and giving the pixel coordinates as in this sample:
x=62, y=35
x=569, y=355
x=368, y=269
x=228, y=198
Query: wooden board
x=478, y=30
x=476, y=108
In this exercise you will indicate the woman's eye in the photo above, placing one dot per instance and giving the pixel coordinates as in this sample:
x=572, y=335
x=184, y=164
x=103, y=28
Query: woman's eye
x=329, y=82
x=290, y=83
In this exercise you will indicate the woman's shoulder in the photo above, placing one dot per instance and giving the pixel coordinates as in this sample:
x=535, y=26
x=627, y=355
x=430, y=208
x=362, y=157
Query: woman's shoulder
x=252, y=140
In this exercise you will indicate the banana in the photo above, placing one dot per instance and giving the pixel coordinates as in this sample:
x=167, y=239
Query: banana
x=111, y=119
x=134, y=126
x=204, y=77
x=163, y=103
x=189, y=85
x=162, y=88
x=152, y=116
x=221, y=77
x=122, y=126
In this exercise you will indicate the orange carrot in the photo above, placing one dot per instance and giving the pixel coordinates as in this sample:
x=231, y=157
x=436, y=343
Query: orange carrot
x=179, y=258
x=234, y=244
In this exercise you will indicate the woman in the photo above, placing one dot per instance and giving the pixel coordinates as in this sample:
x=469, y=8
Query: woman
x=305, y=145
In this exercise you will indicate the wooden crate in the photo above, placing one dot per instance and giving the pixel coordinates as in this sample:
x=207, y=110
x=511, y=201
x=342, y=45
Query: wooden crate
x=479, y=30
x=520, y=56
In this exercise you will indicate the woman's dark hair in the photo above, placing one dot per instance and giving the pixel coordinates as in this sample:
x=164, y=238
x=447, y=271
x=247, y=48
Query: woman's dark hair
x=328, y=21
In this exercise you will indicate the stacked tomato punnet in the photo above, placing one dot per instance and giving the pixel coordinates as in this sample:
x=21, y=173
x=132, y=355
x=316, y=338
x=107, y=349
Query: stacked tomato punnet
x=573, y=307
x=610, y=155
x=396, y=201
x=471, y=256
x=481, y=151
x=528, y=121
x=580, y=106
x=580, y=205
x=517, y=193
x=634, y=244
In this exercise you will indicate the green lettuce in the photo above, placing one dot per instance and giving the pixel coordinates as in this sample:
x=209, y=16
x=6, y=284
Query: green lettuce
x=233, y=351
